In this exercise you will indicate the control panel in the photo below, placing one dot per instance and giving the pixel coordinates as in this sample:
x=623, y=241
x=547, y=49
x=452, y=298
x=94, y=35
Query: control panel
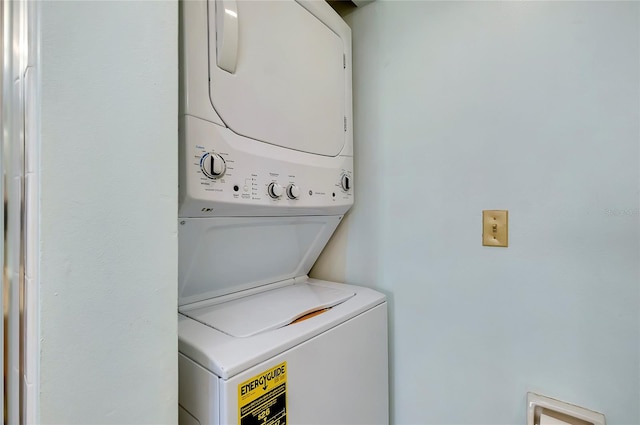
x=224, y=174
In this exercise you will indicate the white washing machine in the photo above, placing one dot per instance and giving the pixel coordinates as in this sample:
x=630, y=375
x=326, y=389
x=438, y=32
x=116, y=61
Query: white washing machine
x=266, y=175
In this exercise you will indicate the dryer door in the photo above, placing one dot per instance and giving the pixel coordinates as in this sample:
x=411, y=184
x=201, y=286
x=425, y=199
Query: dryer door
x=277, y=72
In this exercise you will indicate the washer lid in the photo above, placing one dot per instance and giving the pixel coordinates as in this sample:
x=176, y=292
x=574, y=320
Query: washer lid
x=268, y=310
x=277, y=72
x=225, y=255
x=226, y=356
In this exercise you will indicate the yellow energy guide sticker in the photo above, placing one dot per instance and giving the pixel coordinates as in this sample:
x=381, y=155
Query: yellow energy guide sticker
x=262, y=400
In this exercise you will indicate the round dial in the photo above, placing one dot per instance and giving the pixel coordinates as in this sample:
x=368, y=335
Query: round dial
x=213, y=165
x=293, y=191
x=275, y=190
x=345, y=182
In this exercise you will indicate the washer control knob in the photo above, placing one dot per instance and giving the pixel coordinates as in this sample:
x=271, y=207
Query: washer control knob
x=213, y=165
x=346, y=182
x=275, y=190
x=293, y=191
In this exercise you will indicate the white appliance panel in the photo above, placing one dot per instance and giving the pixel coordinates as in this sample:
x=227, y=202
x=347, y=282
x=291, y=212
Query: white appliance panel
x=338, y=377
x=287, y=74
x=250, y=167
x=194, y=62
x=268, y=310
x=224, y=255
x=227, y=356
x=198, y=394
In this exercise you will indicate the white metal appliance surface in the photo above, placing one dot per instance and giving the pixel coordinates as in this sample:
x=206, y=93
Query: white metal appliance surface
x=266, y=174
x=273, y=136
x=336, y=363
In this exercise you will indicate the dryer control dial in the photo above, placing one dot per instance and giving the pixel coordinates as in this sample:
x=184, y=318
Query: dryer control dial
x=213, y=165
x=345, y=182
x=293, y=191
x=275, y=190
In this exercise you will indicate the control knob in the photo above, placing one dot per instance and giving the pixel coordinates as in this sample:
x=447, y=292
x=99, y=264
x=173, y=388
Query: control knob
x=345, y=182
x=293, y=191
x=212, y=165
x=275, y=190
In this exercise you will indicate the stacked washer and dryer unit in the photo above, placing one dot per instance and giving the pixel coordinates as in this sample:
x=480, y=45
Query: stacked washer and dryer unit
x=266, y=175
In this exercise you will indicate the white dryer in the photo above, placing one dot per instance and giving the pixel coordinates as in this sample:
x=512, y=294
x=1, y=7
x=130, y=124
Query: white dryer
x=266, y=175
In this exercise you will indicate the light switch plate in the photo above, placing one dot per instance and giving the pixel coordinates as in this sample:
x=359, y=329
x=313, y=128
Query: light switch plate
x=495, y=228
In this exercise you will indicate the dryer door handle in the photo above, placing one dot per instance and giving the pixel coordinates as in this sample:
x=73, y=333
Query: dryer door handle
x=226, y=34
